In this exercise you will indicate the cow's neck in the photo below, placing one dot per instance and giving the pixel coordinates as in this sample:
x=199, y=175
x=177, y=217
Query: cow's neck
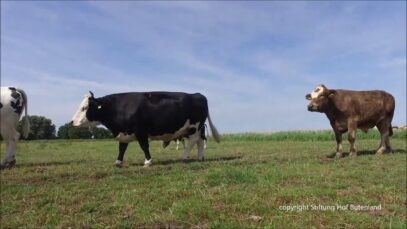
x=110, y=124
x=333, y=113
x=104, y=116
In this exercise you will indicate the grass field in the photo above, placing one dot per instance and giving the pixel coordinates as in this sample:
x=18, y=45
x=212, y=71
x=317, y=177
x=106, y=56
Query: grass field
x=247, y=181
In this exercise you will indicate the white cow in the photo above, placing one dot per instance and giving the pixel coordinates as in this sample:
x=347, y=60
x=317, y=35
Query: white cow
x=182, y=140
x=12, y=103
x=183, y=143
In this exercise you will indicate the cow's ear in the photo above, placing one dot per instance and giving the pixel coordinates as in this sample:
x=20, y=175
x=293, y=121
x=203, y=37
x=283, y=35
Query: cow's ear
x=308, y=97
x=331, y=93
x=94, y=102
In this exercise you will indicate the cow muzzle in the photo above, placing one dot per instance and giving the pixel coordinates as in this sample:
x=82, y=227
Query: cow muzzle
x=311, y=107
x=79, y=123
x=75, y=123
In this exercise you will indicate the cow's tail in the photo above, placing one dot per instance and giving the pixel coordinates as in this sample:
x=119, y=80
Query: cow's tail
x=390, y=131
x=26, y=121
x=214, y=131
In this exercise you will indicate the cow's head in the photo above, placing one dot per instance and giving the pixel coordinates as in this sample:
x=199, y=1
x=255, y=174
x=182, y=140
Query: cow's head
x=88, y=112
x=319, y=98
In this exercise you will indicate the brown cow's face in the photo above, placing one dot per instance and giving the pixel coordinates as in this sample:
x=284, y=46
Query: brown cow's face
x=319, y=98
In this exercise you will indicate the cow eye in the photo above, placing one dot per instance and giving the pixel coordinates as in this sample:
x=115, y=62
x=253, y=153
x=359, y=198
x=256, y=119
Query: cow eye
x=83, y=108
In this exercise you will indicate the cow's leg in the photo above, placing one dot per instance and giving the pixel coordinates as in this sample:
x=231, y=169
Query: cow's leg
x=338, y=137
x=351, y=138
x=384, y=129
x=182, y=141
x=187, y=150
x=387, y=142
x=178, y=144
x=11, y=142
x=120, y=157
x=143, y=142
x=201, y=146
x=9, y=159
x=166, y=143
x=384, y=144
x=192, y=140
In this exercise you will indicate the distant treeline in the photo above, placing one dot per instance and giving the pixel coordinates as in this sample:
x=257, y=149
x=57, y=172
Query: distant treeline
x=42, y=128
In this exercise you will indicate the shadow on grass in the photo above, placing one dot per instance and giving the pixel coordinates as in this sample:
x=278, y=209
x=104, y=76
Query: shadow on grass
x=365, y=152
x=51, y=163
x=164, y=162
x=179, y=161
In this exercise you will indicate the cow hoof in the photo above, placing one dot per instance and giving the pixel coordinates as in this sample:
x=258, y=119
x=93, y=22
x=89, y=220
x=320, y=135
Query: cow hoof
x=118, y=164
x=352, y=154
x=383, y=151
x=148, y=163
x=338, y=155
x=9, y=164
x=390, y=151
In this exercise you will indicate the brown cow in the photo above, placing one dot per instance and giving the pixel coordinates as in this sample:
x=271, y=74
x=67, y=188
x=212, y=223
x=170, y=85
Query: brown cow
x=348, y=110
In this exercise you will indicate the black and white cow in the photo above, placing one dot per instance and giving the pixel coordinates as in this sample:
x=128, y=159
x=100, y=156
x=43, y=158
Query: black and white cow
x=12, y=103
x=145, y=116
x=182, y=140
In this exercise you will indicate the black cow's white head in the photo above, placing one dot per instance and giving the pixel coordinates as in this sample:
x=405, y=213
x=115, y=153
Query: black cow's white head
x=319, y=98
x=88, y=112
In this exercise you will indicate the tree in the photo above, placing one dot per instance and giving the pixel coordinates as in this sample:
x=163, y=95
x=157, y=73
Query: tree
x=101, y=133
x=63, y=131
x=67, y=131
x=41, y=128
x=79, y=133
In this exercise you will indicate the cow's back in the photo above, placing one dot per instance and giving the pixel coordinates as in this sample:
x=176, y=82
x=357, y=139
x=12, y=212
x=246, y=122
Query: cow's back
x=168, y=111
x=155, y=112
x=366, y=106
x=10, y=108
x=12, y=103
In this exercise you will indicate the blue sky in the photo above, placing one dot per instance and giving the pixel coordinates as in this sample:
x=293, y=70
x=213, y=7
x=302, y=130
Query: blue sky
x=255, y=61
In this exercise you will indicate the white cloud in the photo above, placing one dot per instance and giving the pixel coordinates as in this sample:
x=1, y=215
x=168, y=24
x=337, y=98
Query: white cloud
x=254, y=61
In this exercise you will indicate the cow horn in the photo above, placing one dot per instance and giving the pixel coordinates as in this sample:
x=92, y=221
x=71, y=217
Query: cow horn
x=91, y=94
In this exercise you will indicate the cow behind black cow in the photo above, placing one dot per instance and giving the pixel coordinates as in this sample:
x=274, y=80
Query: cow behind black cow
x=148, y=115
x=349, y=110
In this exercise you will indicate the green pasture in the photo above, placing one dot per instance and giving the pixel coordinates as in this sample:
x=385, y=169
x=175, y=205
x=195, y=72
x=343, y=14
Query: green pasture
x=281, y=180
